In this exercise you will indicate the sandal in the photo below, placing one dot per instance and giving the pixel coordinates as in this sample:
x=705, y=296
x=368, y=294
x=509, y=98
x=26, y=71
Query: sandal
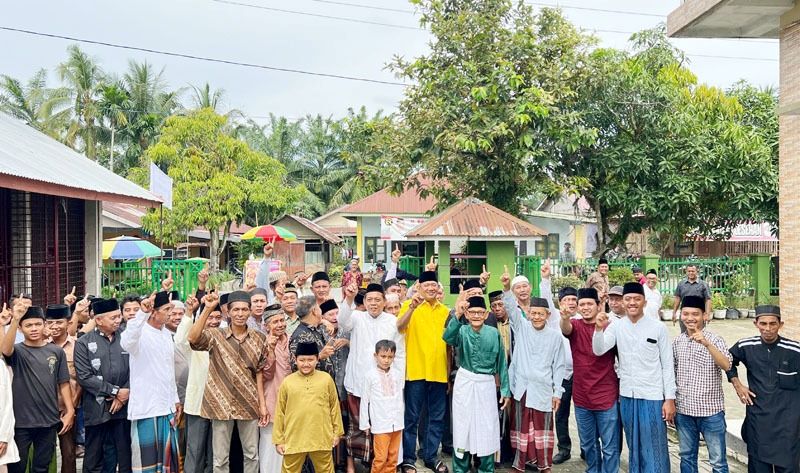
x=440, y=467
x=407, y=467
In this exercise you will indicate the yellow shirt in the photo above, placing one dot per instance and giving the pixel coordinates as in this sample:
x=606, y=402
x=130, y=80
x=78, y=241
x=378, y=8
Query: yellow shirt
x=426, y=352
x=307, y=415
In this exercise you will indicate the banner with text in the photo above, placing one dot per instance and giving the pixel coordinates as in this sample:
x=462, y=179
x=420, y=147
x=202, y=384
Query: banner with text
x=395, y=228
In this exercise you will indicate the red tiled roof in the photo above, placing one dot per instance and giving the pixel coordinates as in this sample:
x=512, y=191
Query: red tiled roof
x=476, y=219
x=382, y=202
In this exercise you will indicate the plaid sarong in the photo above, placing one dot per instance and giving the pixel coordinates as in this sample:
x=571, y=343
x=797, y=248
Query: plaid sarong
x=154, y=445
x=532, y=437
x=358, y=442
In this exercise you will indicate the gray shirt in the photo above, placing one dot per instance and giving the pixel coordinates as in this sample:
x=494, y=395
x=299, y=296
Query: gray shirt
x=697, y=288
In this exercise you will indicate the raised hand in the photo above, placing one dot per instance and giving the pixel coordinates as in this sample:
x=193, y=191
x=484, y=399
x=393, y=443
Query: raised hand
x=210, y=300
x=301, y=279
x=350, y=292
x=396, y=254
x=147, y=304
x=82, y=304
x=166, y=284
x=546, y=269
x=431, y=266
x=202, y=278
x=699, y=338
x=269, y=248
x=70, y=298
x=192, y=304
x=505, y=279
x=485, y=275
x=601, y=322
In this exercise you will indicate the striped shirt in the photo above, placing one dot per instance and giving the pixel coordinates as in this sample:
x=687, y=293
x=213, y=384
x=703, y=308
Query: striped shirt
x=231, y=385
x=697, y=377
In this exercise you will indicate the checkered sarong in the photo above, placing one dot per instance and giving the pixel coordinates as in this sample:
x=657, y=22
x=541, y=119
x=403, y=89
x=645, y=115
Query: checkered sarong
x=532, y=437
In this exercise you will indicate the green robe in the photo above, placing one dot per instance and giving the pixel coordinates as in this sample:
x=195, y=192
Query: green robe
x=480, y=352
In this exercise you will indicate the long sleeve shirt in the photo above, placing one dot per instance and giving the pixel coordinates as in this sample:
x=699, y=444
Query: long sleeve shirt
x=101, y=366
x=307, y=417
x=365, y=331
x=152, y=369
x=554, y=321
x=278, y=366
x=480, y=352
x=198, y=367
x=381, y=409
x=262, y=280
x=537, y=364
x=646, y=367
x=654, y=300
x=7, y=414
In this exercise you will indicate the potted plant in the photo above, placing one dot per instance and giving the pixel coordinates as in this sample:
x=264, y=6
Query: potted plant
x=718, y=305
x=666, y=308
x=744, y=305
x=736, y=286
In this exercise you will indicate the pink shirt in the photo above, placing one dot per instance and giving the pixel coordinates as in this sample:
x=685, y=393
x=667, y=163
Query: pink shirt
x=278, y=367
x=595, y=385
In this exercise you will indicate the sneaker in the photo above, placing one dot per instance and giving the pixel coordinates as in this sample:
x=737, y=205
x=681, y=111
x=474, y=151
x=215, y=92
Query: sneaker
x=561, y=457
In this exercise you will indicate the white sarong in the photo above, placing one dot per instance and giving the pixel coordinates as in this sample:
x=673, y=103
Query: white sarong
x=476, y=423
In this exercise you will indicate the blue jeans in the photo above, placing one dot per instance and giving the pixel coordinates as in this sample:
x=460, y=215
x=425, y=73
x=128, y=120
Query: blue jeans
x=434, y=396
x=713, y=429
x=598, y=432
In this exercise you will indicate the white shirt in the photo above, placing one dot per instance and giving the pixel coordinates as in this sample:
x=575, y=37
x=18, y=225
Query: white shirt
x=382, y=409
x=646, y=368
x=198, y=368
x=654, y=300
x=554, y=321
x=365, y=331
x=537, y=363
x=152, y=369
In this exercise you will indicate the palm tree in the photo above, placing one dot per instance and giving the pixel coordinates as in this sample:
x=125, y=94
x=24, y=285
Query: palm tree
x=84, y=78
x=114, y=105
x=46, y=109
x=204, y=97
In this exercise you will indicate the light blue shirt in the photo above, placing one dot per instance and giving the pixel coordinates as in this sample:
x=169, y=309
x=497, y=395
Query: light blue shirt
x=537, y=363
x=262, y=281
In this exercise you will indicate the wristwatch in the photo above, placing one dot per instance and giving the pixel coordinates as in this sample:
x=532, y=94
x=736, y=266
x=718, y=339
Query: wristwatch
x=115, y=390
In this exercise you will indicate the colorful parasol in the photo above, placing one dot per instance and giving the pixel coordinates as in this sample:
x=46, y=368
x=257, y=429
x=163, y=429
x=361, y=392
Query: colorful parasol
x=126, y=247
x=268, y=232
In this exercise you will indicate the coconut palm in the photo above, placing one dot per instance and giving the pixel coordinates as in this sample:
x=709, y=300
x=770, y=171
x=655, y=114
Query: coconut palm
x=205, y=97
x=114, y=105
x=46, y=109
x=84, y=78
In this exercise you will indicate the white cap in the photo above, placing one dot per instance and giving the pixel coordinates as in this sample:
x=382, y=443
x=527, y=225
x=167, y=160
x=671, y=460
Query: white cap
x=178, y=305
x=519, y=279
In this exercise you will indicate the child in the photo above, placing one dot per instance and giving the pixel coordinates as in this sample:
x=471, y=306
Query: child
x=382, y=408
x=308, y=422
x=476, y=421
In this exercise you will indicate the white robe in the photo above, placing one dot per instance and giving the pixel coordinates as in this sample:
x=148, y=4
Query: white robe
x=7, y=415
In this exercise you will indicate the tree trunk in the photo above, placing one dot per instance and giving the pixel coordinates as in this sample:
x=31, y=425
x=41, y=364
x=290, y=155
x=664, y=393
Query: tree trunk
x=111, y=158
x=213, y=255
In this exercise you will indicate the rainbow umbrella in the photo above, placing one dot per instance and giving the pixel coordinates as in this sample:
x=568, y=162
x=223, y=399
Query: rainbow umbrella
x=268, y=232
x=126, y=247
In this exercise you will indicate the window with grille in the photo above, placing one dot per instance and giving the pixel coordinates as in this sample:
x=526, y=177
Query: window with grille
x=41, y=246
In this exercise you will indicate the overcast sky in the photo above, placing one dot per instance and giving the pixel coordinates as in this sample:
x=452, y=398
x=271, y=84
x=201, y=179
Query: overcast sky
x=289, y=40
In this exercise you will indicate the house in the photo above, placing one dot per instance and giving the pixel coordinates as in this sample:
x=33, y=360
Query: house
x=337, y=224
x=51, y=213
x=313, y=249
x=566, y=219
x=764, y=20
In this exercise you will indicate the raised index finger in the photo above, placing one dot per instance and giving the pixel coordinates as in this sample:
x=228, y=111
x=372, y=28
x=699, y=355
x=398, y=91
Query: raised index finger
x=505, y=268
x=73, y=290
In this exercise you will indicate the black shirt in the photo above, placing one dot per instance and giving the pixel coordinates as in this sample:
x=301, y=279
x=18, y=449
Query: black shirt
x=771, y=426
x=38, y=372
x=102, y=367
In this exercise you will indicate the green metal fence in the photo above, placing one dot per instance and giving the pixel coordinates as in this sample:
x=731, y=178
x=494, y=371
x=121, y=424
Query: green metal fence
x=531, y=268
x=773, y=276
x=122, y=278
x=413, y=264
x=721, y=274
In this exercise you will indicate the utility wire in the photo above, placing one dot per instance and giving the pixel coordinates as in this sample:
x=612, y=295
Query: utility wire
x=200, y=58
x=361, y=5
x=318, y=15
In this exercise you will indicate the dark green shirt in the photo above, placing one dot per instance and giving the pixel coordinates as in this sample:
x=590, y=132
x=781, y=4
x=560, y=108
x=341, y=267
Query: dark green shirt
x=480, y=352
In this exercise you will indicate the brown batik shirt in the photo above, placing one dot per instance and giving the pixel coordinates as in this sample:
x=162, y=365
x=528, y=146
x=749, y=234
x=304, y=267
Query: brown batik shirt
x=230, y=391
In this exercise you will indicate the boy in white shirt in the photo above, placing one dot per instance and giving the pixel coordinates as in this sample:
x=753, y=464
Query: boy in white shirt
x=382, y=408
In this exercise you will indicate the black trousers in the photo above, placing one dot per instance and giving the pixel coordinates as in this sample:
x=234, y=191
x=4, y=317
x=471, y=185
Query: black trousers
x=119, y=433
x=43, y=441
x=562, y=418
x=754, y=465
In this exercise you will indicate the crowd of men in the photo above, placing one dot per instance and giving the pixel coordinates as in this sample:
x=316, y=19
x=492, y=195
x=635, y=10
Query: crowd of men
x=274, y=379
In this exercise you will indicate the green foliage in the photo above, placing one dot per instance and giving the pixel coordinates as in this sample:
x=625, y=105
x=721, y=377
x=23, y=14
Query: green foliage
x=335, y=272
x=619, y=275
x=216, y=278
x=670, y=147
x=566, y=281
x=736, y=287
x=717, y=301
x=216, y=178
x=489, y=108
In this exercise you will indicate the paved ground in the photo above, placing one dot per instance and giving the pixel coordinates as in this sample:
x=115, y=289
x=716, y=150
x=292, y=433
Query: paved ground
x=731, y=331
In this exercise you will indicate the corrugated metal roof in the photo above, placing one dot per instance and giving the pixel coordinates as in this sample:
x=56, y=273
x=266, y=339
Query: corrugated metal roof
x=34, y=162
x=383, y=203
x=476, y=219
x=325, y=234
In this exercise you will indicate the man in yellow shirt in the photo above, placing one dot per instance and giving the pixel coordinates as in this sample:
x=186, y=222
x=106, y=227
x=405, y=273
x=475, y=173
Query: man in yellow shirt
x=422, y=320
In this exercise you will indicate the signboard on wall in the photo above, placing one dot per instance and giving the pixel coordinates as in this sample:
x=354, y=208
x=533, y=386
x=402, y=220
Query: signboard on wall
x=395, y=228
